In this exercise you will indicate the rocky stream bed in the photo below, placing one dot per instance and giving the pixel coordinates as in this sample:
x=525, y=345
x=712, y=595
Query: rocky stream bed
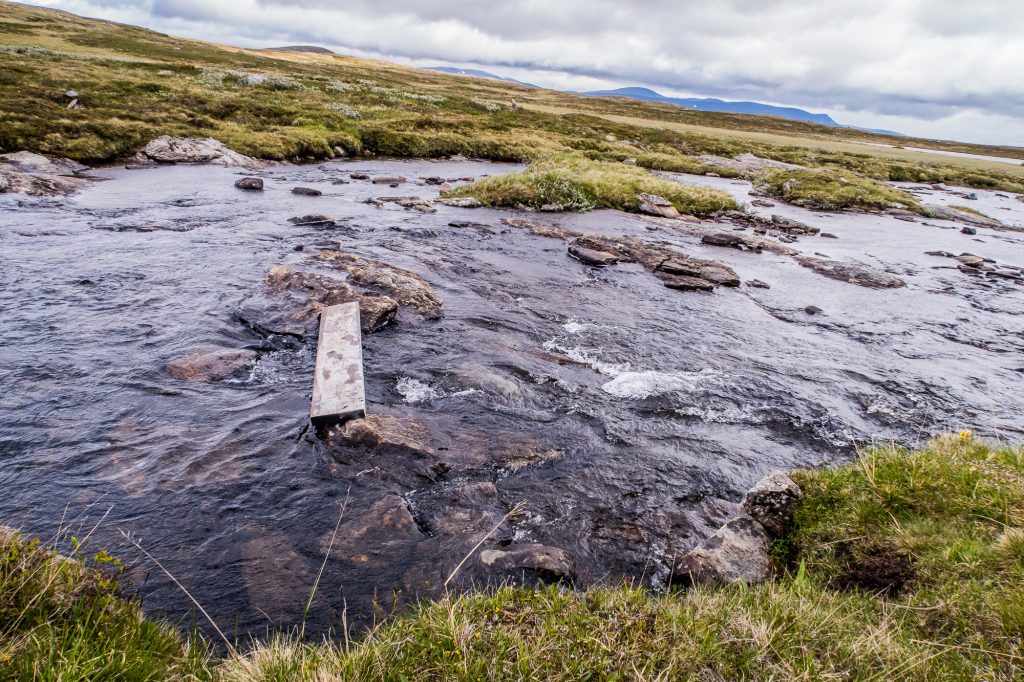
x=608, y=384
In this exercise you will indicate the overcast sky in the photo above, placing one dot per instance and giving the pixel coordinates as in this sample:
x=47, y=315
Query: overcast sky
x=935, y=68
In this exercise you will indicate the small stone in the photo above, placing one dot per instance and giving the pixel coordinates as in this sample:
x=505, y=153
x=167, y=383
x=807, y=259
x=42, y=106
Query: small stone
x=969, y=230
x=655, y=205
x=306, y=191
x=757, y=284
x=772, y=501
x=813, y=310
x=359, y=176
x=592, y=257
x=828, y=235
x=387, y=179
x=252, y=184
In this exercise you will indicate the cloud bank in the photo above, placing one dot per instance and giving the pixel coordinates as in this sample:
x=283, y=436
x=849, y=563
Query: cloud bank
x=940, y=68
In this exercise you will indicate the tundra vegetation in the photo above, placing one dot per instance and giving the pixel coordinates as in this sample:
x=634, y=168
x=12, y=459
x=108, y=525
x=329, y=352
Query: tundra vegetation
x=133, y=85
x=899, y=563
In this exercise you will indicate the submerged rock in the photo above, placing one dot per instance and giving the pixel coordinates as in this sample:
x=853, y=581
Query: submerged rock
x=168, y=149
x=736, y=553
x=535, y=228
x=405, y=286
x=772, y=501
x=530, y=561
x=290, y=303
x=306, y=191
x=848, y=271
x=415, y=203
x=387, y=179
x=252, y=184
x=211, y=365
x=758, y=284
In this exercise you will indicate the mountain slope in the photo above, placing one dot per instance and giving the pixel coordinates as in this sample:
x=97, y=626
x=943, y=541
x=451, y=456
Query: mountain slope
x=477, y=73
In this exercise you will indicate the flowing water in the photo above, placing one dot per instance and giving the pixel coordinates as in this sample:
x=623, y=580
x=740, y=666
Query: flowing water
x=653, y=409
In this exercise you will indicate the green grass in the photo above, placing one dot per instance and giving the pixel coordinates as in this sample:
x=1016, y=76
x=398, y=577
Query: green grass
x=900, y=565
x=972, y=211
x=580, y=184
x=834, y=191
x=68, y=620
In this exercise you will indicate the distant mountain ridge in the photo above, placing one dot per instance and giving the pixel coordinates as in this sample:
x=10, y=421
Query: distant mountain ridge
x=711, y=104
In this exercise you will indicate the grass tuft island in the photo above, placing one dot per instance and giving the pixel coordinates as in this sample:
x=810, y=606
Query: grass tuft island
x=907, y=563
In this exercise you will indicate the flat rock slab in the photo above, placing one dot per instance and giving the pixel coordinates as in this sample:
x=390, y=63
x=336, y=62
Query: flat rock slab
x=338, y=390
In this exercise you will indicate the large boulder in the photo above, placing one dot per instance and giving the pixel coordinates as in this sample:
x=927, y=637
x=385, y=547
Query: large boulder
x=36, y=175
x=290, y=303
x=211, y=365
x=253, y=184
x=169, y=150
x=405, y=286
x=772, y=501
x=382, y=431
x=737, y=552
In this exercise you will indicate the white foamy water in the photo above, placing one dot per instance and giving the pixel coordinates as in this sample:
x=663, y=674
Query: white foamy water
x=575, y=327
x=414, y=391
x=639, y=385
x=587, y=357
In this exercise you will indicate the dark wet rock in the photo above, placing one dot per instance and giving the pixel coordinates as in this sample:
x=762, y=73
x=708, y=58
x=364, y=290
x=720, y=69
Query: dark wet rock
x=848, y=271
x=36, y=175
x=772, y=501
x=592, y=256
x=758, y=284
x=211, y=365
x=415, y=203
x=167, y=149
x=252, y=184
x=290, y=303
x=339, y=181
x=405, y=286
x=655, y=205
x=736, y=553
x=731, y=240
x=969, y=230
x=433, y=180
x=828, y=235
x=475, y=375
x=530, y=561
x=387, y=179
x=665, y=262
x=306, y=191
x=790, y=226
x=684, y=283
x=813, y=310
x=359, y=176
x=382, y=431
x=535, y=228
x=462, y=202
x=762, y=203
x=467, y=224
x=319, y=219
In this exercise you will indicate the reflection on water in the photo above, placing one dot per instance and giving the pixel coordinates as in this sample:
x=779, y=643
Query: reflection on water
x=623, y=414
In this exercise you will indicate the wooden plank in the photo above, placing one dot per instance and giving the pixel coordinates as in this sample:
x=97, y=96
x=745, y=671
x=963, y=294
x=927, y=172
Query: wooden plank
x=338, y=390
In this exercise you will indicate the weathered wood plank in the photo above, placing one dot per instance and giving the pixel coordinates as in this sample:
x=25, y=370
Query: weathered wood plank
x=338, y=391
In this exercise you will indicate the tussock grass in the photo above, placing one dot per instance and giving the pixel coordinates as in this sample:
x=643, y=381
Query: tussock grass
x=834, y=191
x=67, y=619
x=579, y=184
x=900, y=565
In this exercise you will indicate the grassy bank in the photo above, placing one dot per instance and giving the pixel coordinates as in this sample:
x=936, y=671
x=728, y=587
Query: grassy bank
x=906, y=564
x=579, y=184
x=135, y=85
